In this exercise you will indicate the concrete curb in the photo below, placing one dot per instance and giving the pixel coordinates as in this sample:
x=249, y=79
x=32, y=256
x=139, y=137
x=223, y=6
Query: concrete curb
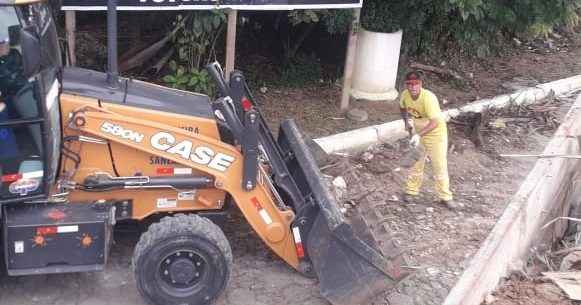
x=540, y=199
x=361, y=139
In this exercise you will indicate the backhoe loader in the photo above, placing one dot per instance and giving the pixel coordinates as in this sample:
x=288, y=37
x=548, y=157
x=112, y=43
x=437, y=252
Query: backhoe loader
x=82, y=150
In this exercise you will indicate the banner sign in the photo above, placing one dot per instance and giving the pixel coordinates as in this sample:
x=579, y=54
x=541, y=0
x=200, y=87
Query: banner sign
x=254, y=5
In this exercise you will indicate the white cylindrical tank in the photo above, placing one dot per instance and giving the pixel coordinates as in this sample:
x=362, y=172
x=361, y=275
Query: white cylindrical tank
x=376, y=64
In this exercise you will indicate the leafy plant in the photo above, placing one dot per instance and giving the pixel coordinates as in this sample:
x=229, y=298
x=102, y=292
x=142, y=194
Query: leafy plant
x=190, y=80
x=384, y=16
x=478, y=27
x=303, y=22
x=194, y=42
x=304, y=69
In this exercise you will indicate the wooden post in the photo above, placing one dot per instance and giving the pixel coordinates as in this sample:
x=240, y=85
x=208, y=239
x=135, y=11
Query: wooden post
x=71, y=25
x=350, y=60
x=231, y=42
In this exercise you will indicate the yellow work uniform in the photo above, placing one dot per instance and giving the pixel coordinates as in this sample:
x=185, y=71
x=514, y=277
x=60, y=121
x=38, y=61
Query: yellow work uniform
x=435, y=142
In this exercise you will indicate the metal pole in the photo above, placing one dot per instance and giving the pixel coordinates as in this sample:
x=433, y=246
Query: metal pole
x=350, y=60
x=113, y=70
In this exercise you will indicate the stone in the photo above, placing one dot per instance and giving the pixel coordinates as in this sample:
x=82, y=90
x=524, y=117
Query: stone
x=339, y=182
x=367, y=156
x=357, y=115
x=571, y=261
x=432, y=271
x=489, y=299
x=321, y=157
x=400, y=299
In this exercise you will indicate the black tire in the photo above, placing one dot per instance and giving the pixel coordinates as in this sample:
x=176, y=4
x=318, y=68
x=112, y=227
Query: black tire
x=184, y=259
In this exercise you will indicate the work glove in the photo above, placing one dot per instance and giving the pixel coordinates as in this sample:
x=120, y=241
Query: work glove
x=415, y=140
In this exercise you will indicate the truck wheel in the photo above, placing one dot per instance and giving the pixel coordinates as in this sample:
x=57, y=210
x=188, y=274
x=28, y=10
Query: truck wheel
x=184, y=259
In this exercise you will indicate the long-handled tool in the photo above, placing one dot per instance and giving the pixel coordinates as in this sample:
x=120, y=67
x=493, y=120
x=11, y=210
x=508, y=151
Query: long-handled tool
x=540, y=156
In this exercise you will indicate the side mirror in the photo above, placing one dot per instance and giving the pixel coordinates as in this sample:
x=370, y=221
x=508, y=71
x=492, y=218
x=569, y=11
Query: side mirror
x=30, y=45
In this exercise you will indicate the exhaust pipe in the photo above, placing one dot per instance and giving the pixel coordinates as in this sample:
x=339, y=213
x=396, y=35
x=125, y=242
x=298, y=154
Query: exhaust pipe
x=112, y=69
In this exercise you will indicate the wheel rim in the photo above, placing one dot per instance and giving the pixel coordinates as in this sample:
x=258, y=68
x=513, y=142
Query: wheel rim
x=181, y=270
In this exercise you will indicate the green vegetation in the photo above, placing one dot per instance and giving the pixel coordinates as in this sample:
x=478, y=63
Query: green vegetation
x=194, y=42
x=477, y=26
x=302, y=70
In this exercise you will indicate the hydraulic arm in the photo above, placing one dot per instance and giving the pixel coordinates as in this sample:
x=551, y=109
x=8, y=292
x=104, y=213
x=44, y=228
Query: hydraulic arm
x=220, y=160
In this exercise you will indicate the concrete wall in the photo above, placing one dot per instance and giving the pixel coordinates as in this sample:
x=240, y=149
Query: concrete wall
x=539, y=200
x=361, y=139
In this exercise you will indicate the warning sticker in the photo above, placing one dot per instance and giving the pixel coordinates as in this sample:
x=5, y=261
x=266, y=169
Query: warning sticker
x=68, y=229
x=265, y=217
x=188, y=195
x=166, y=203
x=182, y=171
x=19, y=246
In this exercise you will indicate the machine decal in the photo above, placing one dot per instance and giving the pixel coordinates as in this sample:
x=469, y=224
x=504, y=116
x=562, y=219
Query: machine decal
x=24, y=186
x=164, y=141
x=173, y=171
x=86, y=240
x=164, y=170
x=187, y=195
x=192, y=129
x=261, y=211
x=159, y=161
x=265, y=217
x=298, y=242
x=52, y=230
x=19, y=247
x=166, y=203
x=67, y=229
x=121, y=132
x=31, y=175
x=182, y=171
x=38, y=241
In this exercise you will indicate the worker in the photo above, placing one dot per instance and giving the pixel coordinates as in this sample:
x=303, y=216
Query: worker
x=11, y=69
x=10, y=80
x=424, y=121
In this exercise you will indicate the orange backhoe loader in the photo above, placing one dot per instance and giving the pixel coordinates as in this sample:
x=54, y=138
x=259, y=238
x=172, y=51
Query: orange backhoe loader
x=81, y=150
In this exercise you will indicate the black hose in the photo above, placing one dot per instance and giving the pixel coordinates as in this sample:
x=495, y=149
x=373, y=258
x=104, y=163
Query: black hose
x=217, y=75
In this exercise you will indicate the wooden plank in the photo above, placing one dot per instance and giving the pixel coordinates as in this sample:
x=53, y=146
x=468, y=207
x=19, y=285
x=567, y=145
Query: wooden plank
x=540, y=199
x=569, y=282
x=231, y=43
x=71, y=25
x=350, y=60
x=540, y=156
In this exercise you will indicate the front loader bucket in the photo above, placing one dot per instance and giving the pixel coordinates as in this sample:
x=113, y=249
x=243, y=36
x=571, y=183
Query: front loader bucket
x=344, y=253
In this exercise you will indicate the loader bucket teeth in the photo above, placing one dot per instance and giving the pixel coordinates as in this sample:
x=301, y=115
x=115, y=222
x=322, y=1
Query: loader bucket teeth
x=350, y=257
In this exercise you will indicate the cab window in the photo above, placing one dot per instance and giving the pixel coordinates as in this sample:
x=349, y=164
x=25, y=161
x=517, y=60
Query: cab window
x=21, y=149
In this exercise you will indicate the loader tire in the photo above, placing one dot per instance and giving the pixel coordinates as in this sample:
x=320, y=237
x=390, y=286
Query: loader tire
x=184, y=259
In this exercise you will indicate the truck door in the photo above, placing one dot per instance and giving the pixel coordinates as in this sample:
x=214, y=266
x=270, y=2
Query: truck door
x=29, y=130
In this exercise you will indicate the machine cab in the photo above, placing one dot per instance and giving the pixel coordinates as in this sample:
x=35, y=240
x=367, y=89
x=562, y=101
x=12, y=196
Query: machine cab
x=29, y=110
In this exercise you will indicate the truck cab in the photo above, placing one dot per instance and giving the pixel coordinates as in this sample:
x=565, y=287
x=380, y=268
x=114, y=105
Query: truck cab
x=30, y=131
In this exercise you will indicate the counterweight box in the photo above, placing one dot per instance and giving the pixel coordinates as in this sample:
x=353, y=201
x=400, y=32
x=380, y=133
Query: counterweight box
x=56, y=238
